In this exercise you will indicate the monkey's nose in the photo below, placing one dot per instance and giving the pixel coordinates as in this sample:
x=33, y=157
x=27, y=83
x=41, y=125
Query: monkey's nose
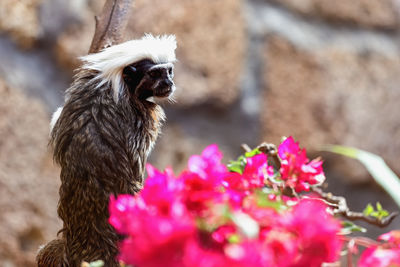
x=167, y=82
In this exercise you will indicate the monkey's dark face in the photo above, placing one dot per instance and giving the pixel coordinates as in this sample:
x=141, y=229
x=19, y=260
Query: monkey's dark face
x=146, y=79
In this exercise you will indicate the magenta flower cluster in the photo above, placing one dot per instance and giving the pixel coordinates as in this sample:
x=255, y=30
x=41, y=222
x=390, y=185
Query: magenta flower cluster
x=385, y=254
x=297, y=170
x=210, y=216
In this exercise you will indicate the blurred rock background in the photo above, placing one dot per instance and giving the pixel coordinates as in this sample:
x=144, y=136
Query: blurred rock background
x=326, y=72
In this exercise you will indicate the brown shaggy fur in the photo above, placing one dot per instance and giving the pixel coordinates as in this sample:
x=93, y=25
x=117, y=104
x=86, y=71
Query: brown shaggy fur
x=102, y=146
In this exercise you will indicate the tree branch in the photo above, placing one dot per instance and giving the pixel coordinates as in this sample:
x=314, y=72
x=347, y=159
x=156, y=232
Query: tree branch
x=343, y=210
x=268, y=149
x=110, y=24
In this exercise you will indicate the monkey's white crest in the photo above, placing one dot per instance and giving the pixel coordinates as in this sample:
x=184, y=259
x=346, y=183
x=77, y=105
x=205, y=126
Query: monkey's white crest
x=111, y=61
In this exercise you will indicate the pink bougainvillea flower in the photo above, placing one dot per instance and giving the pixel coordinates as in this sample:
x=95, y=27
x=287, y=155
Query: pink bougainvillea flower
x=208, y=216
x=392, y=237
x=195, y=255
x=317, y=235
x=160, y=190
x=254, y=176
x=385, y=255
x=159, y=242
x=255, y=172
x=248, y=253
x=200, y=192
x=156, y=221
x=297, y=239
x=223, y=233
x=380, y=257
x=154, y=237
x=297, y=170
x=202, y=181
x=208, y=163
x=122, y=212
x=282, y=246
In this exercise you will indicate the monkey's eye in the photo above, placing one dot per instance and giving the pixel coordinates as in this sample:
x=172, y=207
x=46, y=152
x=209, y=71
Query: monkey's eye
x=154, y=73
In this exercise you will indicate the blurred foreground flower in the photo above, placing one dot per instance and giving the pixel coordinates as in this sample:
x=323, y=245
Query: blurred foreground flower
x=211, y=216
x=383, y=255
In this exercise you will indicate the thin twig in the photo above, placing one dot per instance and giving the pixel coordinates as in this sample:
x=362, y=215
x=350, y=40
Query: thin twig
x=350, y=247
x=360, y=241
x=343, y=210
x=246, y=148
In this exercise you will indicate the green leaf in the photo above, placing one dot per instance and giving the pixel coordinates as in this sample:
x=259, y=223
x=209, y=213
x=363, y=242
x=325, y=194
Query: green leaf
x=368, y=210
x=237, y=165
x=350, y=227
x=375, y=165
x=264, y=202
x=252, y=153
x=375, y=214
x=378, y=213
x=234, y=239
x=384, y=213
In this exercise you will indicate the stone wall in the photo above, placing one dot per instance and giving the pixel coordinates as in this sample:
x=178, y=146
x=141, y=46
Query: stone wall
x=20, y=19
x=378, y=14
x=28, y=179
x=329, y=83
x=333, y=96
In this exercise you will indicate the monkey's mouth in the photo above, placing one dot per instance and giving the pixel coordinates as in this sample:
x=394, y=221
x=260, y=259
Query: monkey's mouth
x=163, y=91
x=158, y=92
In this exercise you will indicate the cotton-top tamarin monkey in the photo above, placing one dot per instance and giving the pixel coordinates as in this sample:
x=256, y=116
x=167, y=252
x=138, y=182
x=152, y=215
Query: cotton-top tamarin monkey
x=101, y=139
